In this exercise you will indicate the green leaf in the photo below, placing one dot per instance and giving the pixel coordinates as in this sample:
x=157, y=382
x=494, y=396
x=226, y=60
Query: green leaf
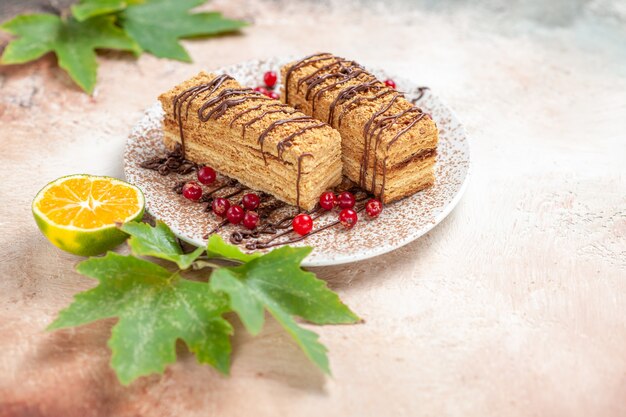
x=73, y=42
x=155, y=308
x=40, y=32
x=157, y=25
x=276, y=282
x=159, y=242
x=86, y=9
x=217, y=248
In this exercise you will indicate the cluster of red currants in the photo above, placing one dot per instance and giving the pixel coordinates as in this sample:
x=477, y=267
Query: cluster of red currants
x=303, y=223
x=235, y=214
x=269, y=78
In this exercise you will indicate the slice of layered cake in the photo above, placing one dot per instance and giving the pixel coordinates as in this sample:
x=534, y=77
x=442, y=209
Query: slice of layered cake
x=389, y=146
x=264, y=144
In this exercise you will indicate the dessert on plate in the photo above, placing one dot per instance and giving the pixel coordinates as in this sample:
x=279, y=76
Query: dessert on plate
x=389, y=146
x=264, y=144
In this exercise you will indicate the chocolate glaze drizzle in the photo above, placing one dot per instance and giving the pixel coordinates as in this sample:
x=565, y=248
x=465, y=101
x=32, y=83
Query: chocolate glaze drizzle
x=421, y=91
x=274, y=240
x=217, y=100
x=307, y=60
x=339, y=71
x=188, y=96
x=288, y=141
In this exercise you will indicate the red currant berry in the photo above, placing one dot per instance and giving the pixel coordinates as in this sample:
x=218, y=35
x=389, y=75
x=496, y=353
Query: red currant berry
x=346, y=200
x=273, y=95
x=206, y=175
x=250, y=220
x=373, y=207
x=269, y=78
x=348, y=218
x=328, y=201
x=261, y=90
x=302, y=224
x=220, y=206
x=251, y=201
x=235, y=214
x=390, y=83
x=192, y=191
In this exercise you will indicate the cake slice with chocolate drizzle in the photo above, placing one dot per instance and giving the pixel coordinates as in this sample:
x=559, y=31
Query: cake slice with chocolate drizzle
x=389, y=145
x=264, y=144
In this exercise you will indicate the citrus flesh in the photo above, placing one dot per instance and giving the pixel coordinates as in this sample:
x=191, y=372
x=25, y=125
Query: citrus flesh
x=79, y=213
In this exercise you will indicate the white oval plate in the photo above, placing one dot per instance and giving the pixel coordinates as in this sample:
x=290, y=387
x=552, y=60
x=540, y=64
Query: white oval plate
x=400, y=222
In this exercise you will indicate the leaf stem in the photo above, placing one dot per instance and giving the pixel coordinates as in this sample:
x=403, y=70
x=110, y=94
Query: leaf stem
x=201, y=264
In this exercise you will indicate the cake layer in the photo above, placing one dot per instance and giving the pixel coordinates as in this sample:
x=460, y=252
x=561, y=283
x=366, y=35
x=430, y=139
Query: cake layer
x=400, y=181
x=380, y=129
x=264, y=144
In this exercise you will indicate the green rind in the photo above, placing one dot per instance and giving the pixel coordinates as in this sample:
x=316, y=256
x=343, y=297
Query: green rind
x=91, y=243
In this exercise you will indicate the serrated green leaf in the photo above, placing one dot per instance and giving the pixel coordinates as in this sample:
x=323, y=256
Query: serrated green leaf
x=155, y=308
x=159, y=242
x=276, y=282
x=86, y=9
x=40, y=32
x=73, y=42
x=217, y=248
x=157, y=25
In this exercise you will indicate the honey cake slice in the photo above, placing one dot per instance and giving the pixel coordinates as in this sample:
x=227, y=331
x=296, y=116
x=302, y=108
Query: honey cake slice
x=389, y=145
x=263, y=143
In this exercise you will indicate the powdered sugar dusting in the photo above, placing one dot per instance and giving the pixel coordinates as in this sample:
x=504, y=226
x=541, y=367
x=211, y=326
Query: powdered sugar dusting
x=400, y=222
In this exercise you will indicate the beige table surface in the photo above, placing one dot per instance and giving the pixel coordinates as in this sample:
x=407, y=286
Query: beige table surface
x=514, y=306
